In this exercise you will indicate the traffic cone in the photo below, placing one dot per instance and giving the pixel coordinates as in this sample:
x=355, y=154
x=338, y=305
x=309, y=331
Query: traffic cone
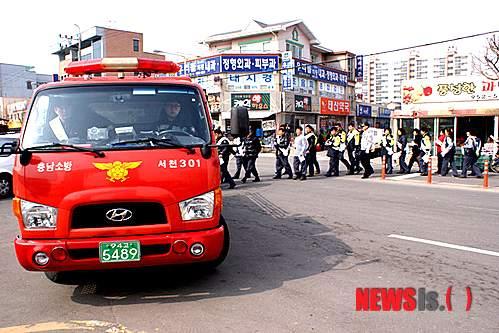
x=486, y=174
x=383, y=167
x=430, y=171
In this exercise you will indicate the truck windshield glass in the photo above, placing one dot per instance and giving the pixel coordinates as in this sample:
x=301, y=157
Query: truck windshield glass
x=102, y=116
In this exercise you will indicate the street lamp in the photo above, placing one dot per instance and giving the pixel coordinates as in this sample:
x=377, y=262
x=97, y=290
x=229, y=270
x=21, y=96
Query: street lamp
x=79, y=41
x=175, y=54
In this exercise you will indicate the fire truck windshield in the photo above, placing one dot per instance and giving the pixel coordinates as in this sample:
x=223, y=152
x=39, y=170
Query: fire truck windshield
x=106, y=117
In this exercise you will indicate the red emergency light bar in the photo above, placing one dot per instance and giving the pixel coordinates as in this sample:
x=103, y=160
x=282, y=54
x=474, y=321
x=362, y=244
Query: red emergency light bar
x=103, y=65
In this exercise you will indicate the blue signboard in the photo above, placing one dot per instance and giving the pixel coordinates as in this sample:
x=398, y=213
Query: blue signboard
x=363, y=110
x=384, y=113
x=359, y=68
x=249, y=63
x=201, y=67
x=320, y=73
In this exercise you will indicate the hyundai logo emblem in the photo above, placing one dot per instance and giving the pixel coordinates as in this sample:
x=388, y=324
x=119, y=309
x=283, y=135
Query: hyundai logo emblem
x=119, y=215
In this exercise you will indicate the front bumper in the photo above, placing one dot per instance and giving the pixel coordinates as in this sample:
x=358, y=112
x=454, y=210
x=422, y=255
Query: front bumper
x=83, y=254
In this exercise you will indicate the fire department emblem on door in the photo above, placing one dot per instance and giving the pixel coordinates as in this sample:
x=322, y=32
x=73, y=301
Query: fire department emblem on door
x=117, y=170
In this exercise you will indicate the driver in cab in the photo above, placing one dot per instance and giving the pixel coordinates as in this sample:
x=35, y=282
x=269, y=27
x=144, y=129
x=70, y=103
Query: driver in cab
x=173, y=119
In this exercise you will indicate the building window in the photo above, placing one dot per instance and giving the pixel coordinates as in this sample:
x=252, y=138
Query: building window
x=29, y=85
x=135, y=45
x=295, y=34
x=266, y=46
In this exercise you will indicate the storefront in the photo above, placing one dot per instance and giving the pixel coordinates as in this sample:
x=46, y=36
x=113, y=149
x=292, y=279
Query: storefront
x=334, y=111
x=461, y=103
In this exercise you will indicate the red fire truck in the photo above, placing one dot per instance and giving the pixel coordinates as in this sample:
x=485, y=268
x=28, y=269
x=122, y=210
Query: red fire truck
x=117, y=171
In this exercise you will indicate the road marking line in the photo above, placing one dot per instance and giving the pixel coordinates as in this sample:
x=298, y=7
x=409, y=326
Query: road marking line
x=451, y=246
x=408, y=176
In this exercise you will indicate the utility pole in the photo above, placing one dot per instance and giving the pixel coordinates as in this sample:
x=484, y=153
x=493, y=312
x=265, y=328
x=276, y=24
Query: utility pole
x=79, y=41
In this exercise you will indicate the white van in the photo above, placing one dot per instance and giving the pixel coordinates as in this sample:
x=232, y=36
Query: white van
x=6, y=166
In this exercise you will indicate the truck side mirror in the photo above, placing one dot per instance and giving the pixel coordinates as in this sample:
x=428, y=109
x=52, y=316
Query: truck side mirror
x=239, y=121
x=8, y=149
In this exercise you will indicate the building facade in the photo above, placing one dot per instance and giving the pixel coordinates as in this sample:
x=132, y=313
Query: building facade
x=383, y=78
x=17, y=83
x=101, y=42
x=280, y=72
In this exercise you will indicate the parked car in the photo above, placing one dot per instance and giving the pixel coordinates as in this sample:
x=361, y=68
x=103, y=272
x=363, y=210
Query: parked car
x=6, y=166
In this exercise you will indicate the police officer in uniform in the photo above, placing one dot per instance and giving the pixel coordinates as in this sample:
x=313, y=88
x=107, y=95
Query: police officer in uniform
x=224, y=152
x=448, y=152
x=343, y=145
x=402, y=146
x=333, y=152
x=252, y=147
x=353, y=148
x=387, y=144
x=470, y=148
x=282, y=146
x=425, y=153
x=416, y=149
x=366, y=145
x=239, y=156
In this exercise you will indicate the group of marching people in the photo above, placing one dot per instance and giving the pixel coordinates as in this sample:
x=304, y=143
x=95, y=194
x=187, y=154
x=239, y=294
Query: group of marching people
x=360, y=144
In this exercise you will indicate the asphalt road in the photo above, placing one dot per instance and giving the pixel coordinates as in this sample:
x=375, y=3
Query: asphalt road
x=299, y=251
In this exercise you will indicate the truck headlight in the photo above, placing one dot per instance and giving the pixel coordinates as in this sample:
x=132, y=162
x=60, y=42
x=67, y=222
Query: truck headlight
x=197, y=208
x=38, y=216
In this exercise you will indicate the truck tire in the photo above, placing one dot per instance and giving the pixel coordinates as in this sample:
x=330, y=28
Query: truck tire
x=5, y=186
x=212, y=265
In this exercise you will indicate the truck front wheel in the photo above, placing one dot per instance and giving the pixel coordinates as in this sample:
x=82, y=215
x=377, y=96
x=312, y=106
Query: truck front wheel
x=61, y=277
x=211, y=265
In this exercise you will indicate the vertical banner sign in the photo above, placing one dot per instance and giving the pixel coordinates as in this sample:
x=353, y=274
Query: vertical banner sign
x=287, y=74
x=359, y=68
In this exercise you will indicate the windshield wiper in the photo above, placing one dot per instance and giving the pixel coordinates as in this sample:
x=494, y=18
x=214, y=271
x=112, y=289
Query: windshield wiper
x=165, y=142
x=98, y=153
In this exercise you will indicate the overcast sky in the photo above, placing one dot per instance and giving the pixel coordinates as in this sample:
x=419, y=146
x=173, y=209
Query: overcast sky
x=29, y=29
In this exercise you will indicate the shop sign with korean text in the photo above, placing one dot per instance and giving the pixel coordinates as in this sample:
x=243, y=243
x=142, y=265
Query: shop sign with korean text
x=320, y=73
x=254, y=102
x=364, y=110
x=287, y=71
x=237, y=82
x=331, y=106
x=303, y=103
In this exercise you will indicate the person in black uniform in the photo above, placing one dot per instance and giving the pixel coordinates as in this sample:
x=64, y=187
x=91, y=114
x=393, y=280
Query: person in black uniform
x=353, y=148
x=282, y=147
x=402, y=146
x=333, y=152
x=416, y=149
x=387, y=145
x=252, y=147
x=343, y=145
x=224, y=152
x=312, y=151
x=448, y=153
x=470, y=153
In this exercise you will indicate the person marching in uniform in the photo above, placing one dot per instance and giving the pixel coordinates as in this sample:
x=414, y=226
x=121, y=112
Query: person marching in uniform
x=312, y=151
x=402, y=146
x=387, y=144
x=343, y=146
x=239, y=155
x=282, y=146
x=416, y=149
x=470, y=148
x=333, y=152
x=299, y=161
x=353, y=148
x=425, y=154
x=224, y=152
x=448, y=152
x=366, y=144
x=252, y=148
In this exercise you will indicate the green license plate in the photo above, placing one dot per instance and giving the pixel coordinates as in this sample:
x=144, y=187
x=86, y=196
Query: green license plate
x=119, y=251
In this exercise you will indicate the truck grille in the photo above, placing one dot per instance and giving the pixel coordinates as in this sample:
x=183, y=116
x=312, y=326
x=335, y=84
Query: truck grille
x=118, y=214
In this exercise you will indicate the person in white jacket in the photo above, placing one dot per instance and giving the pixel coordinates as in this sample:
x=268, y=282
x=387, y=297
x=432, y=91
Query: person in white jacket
x=301, y=150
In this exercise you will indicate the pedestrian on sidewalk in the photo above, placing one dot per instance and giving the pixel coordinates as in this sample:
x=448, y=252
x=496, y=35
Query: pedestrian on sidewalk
x=448, y=153
x=402, y=147
x=366, y=145
x=353, y=148
x=416, y=149
x=312, y=151
x=299, y=161
x=469, y=149
x=224, y=152
x=282, y=147
x=343, y=146
x=439, y=143
x=425, y=155
x=333, y=145
x=252, y=148
x=387, y=145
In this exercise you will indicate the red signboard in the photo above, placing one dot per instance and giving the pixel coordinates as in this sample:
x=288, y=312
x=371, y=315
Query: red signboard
x=335, y=106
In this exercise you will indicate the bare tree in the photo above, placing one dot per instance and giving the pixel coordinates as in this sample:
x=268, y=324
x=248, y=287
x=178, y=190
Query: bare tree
x=488, y=66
